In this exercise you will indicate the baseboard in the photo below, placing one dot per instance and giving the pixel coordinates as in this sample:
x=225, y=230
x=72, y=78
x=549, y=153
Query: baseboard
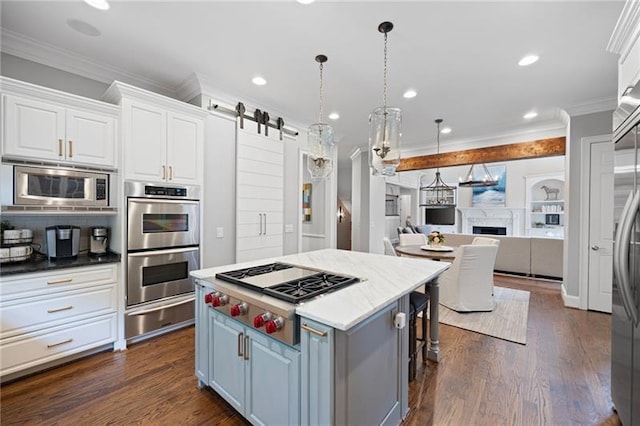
x=569, y=301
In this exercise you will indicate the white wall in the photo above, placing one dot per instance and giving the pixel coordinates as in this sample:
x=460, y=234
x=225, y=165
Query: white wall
x=32, y=72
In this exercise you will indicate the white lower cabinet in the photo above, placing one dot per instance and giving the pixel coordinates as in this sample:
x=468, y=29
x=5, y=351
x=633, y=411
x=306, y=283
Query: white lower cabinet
x=257, y=375
x=51, y=315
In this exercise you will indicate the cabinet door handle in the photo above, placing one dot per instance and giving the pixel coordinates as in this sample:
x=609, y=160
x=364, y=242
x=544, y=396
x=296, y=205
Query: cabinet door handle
x=265, y=224
x=246, y=348
x=304, y=326
x=64, y=280
x=70, y=148
x=260, y=220
x=240, y=340
x=66, y=308
x=69, y=340
x=170, y=172
x=164, y=174
x=59, y=147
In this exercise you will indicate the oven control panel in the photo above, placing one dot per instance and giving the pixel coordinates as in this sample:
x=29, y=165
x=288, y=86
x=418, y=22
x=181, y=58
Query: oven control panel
x=165, y=191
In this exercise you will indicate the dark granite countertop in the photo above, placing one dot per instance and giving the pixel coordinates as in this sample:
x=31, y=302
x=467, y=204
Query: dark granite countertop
x=40, y=263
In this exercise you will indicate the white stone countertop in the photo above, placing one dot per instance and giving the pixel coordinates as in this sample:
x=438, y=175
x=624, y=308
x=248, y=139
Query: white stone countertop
x=383, y=280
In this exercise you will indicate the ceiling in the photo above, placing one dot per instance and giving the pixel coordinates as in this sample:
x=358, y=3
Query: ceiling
x=461, y=57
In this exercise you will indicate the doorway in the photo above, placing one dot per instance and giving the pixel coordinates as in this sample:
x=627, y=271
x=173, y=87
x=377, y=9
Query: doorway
x=597, y=228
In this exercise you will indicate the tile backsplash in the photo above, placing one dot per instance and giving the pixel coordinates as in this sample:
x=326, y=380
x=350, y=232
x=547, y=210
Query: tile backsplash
x=38, y=224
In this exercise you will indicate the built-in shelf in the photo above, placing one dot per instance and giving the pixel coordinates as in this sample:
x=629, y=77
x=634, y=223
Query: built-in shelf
x=545, y=205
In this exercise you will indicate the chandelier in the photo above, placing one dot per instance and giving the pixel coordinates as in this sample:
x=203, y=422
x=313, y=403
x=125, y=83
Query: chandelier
x=437, y=193
x=478, y=179
x=384, y=127
x=320, y=141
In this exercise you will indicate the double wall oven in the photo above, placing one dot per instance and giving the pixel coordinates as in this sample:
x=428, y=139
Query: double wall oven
x=163, y=246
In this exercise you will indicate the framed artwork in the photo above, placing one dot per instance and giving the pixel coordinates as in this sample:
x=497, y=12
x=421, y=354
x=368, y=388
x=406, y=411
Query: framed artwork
x=306, y=202
x=492, y=196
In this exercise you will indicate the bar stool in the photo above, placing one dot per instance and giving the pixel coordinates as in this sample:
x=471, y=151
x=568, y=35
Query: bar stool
x=418, y=302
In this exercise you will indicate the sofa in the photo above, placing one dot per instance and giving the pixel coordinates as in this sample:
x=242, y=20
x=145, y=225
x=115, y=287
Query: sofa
x=530, y=256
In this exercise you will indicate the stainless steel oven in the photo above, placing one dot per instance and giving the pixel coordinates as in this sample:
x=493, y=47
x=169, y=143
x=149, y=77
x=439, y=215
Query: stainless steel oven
x=163, y=247
x=156, y=274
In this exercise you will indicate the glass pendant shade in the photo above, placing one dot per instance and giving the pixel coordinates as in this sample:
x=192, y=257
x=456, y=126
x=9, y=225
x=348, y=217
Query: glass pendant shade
x=385, y=126
x=477, y=178
x=321, y=151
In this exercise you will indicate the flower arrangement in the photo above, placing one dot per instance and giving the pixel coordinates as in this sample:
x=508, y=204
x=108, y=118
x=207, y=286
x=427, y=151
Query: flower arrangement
x=435, y=238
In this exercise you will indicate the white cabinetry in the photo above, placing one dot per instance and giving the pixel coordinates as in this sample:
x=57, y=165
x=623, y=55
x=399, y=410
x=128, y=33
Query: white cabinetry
x=163, y=138
x=48, y=316
x=48, y=125
x=259, y=195
x=256, y=374
x=545, y=206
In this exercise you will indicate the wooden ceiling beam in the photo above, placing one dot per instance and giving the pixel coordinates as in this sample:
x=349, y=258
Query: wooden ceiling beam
x=516, y=151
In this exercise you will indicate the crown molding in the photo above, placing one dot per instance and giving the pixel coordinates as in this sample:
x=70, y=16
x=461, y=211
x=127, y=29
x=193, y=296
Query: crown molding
x=626, y=31
x=591, y=107
x=119, y=90
x=24, y=47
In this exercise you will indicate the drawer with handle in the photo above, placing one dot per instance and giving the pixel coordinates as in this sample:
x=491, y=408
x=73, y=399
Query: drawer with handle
x=29, y=285
x=33, y=349
x=51, y=310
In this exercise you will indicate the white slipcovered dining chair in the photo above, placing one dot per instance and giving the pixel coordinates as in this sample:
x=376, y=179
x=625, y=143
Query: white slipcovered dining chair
x=484, y=241
x=388, y=247
x=467, y=285
x=412, y=239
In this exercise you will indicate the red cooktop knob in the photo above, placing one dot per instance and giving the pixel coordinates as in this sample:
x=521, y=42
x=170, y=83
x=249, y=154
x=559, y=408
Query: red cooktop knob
x=208, y=298
x=235, y=310
x=258, y=321
x=219, y=300
x=273, y=325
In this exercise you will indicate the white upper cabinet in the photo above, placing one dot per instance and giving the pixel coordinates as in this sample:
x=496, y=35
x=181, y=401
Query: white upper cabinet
x=47, y=125
x=163, y=139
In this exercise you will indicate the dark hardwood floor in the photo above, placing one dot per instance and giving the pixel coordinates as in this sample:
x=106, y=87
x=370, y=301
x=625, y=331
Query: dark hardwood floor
x=561, y=377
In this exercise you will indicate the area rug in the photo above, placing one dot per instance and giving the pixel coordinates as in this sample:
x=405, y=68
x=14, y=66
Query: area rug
x=508, y=321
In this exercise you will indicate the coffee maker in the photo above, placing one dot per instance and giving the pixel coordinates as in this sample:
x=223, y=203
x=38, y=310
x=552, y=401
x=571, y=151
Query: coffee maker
x=62, y=241
x=98, y=241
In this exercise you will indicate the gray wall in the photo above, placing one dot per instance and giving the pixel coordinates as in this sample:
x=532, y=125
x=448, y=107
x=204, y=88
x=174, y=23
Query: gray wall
x=579, y=127
x=42, y=75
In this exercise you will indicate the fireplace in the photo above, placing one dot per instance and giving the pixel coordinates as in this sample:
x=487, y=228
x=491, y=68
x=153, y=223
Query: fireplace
x=492, y=220
x=491, y=230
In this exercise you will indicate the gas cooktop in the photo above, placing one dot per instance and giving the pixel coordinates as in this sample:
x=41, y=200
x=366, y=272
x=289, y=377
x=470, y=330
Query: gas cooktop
x=286, y=282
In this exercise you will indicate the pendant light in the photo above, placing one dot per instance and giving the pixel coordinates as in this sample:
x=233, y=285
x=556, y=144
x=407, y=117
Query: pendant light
x=320, y=140
x=384, y=127
x=437, y=193
x=478, y=179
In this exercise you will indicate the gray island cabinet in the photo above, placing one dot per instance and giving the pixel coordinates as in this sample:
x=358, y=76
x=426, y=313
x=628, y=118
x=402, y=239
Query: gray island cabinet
x=349, y=361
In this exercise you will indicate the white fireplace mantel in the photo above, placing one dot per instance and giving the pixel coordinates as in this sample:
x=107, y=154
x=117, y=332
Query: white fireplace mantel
x=510, y=218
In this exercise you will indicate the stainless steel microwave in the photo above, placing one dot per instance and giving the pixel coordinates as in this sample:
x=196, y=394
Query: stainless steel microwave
x=55, y=186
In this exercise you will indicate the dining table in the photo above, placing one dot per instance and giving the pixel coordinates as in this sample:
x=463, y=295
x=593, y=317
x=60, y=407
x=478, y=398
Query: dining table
x=445, y=253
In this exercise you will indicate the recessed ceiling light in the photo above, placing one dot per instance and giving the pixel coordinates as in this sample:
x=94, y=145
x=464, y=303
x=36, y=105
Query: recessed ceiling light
x=83, y=27
x=410, y=94
x=305, y=1
x=259, y=81
x=530, y=115
x=528, y=60
x=446, y=130
x=98, y=4
x=334, y=116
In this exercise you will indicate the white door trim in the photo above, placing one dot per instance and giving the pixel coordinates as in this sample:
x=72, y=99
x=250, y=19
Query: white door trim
x=330, y=202
x=585, y=179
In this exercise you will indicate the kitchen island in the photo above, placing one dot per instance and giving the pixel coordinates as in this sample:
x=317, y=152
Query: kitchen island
x=347, y=362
